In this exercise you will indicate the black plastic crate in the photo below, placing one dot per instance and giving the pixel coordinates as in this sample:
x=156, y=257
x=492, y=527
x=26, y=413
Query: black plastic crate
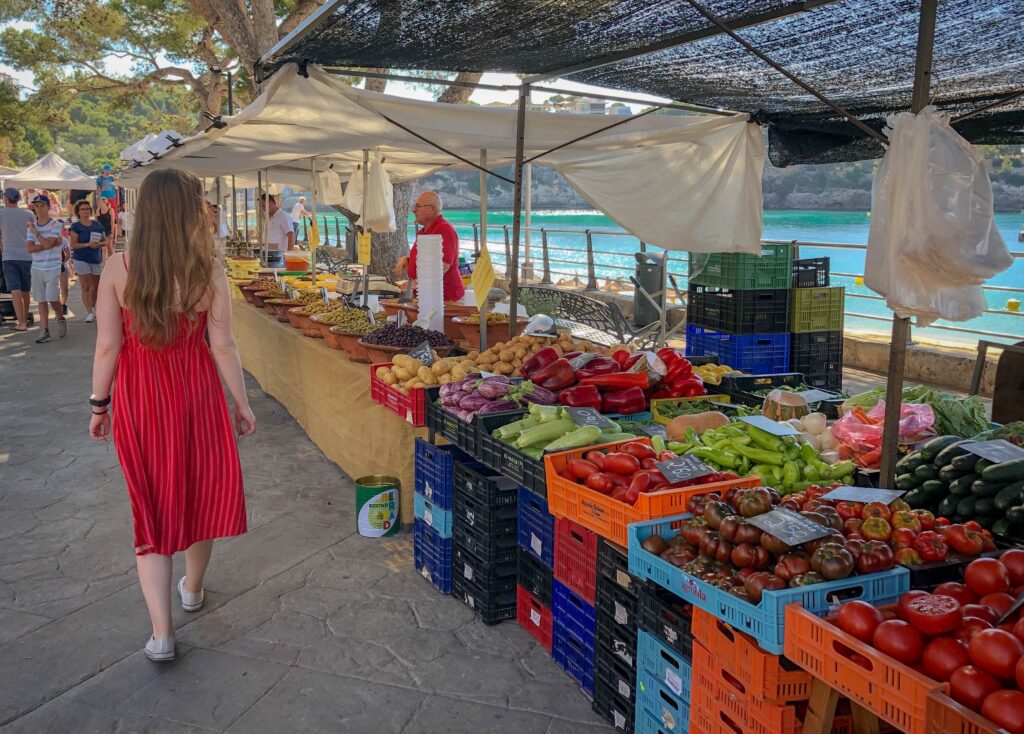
x=746, y=384
x=492, y=608
x=616, y=639
x=611, y=707
x=930, y=575
x=618, y=605
x=811, y=272
x=613, y=565
x=613, y=673
x=483, y=484
x=818, y=355
x=490, y=548
x=667, y=617
x=486, y=576
x=535, y=577
x=764, y=311
x=476, y=515
x=507, y=459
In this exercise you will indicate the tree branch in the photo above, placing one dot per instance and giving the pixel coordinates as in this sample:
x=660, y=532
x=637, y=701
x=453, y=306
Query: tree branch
x=302, y=10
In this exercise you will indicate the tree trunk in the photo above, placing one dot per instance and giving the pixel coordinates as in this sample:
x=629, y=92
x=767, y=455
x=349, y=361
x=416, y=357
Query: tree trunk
x=460, y=95
x=387, y=247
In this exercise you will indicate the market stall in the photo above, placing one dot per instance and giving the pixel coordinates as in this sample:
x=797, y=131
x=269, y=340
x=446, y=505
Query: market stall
x=51, y=172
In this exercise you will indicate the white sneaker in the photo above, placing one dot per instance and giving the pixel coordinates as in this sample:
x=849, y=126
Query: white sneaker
x=90, y=317
x=160, y=650
x=190, y=601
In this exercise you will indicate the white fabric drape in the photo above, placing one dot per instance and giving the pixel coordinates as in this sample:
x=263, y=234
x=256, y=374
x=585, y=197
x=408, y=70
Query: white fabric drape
x=51, y=172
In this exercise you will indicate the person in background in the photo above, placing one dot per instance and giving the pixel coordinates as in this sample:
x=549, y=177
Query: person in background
x=427, y=211
x=105, y=184
x=67, y=270
x=88, y=240
x=298, y=212
x=280, y=236
x=171, y=425
x=218, y=230
x=46, y=243
x=17, y=260
x=107, y=217
x=55, y=207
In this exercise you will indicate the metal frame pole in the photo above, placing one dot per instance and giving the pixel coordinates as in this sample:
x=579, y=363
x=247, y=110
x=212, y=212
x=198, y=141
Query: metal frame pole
x=517, y=205
x=483, y=199
x=312, y=208
x=528, y=214
x=901, y=326
x=362, y=226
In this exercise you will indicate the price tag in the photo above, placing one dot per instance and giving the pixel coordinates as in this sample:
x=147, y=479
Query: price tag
x=769, y=426
x=652, y=430
x=428, y=518
x=363, y=248
x=621, y=615
x=673, y=681
x=864, y=494
x=684, y=468
x=535, y=544
x=624, y=689
x=423, y=354
x=323, y=294
x=470, y=517
x=535, y=617
x=788, y=526
x=467, y=571
x=589, y=417
x=996, y=451
x=816, y=396
x=623, y=579
x=619, y=720
x=428, y=491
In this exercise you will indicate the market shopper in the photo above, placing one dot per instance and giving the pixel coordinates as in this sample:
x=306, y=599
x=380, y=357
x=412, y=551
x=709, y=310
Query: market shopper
x=171, y=425
x=106, y=215
x=46, y=243
x=280, y=236
x=298, y=212
x=17, y=260
x=427, y=210
x=88, y=239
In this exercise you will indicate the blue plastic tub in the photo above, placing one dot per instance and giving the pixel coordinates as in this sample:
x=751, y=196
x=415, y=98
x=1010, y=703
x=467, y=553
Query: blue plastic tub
x=572, y=610
x=756, y=354
x=765, y=622
x=435, y=471
x=432, y=556
x=659, y=708
x=432, y=515
x=573, y=656
x=664, y=664
x=536, y=527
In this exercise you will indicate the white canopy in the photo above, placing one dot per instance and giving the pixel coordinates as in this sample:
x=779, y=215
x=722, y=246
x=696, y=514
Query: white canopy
x=682, y=182
x=51, y=172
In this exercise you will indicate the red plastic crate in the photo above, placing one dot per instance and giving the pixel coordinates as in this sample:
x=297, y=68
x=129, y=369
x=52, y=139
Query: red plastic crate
x=771, y=678
x=534, y=617
x=407, y=407
x=576, y=558
x=946, y=716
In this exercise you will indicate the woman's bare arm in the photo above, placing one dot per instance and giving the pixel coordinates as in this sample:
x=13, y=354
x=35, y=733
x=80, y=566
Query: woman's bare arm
x=109, y=336
x=222, y=339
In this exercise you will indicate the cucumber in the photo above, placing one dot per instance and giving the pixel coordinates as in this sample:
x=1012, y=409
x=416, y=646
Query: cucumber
x=934, y=490
x=966, y=462
x=981, y=488
x=931, y=449
x=1008, y=471
x=962, y=486
x=926, y=472
x=1015, y=516
x=1010, y=495
x=949, y=453
x=909, y=462
x=950, y=473
x=966, y=506
x=907, y=481
x=986, y=521
x=982, y=465
x=917, y=499
x=1001, y=527
x=985, y=506
x=948, y=506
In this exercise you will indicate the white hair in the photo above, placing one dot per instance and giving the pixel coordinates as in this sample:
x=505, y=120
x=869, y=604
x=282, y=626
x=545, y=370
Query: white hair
x=302, y=198
x=434, y=199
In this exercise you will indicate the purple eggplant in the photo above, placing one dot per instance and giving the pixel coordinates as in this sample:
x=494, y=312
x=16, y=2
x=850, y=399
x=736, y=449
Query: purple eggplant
x=473, y=401
x=536, y=394
x=493, y=388
x=498, y=406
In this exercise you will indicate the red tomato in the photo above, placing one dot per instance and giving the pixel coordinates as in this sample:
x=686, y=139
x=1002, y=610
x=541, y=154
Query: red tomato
x=621, y=463
x=601, y=482
x=942, y=656
x=596, y=458
x=1013, y=559
x=970, y=627
x=999, y=603
x=899, y=640
x=986, y=576
x=956, y=590
x=997, y=652
x=981, y=611
x=934, y=615
x=639, y=450
x=852, y=526
x=888, y=614
x=926, y=518
x=876, y=509
x=903, y=538
x=1020, y=673
x=858, y=618
x=1018, y=631
x=901, y=608
x=1005, y=709
x=581, y=469
x=971, y=686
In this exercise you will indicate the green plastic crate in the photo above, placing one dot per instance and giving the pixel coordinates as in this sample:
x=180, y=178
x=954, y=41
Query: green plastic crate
x=740, y=271
x=817, y=309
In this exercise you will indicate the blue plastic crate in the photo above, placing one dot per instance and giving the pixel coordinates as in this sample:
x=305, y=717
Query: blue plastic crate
x=536, y=527
x=572, y=610
x=752, y=353
x=435, y=471
x=658, y=710
x=765, y=622
x=664, y=664
x=573, y=656
x=432, y=556
x=432, y=515
x=642, y=417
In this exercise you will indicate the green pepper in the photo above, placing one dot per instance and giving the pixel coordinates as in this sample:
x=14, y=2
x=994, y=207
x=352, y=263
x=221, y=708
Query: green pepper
x=761, y=456
x=764, y=439
x=811, y=473
x=808, y=454
x=777, y=474
x=840, y=469
x=792, y=453
x=679, y=448
x=744, y=467
x=790, y=473
x=658, y=444
x=719, y=457
x=691, y=437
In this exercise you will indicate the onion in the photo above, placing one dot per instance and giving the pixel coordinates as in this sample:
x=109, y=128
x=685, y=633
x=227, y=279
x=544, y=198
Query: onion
x=813, y=440
x=829, y=457
x=795, y=422
x=827, y=440
x=814, y=423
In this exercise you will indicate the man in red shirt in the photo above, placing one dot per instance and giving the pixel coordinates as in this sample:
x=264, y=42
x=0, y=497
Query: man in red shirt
x=427, y=211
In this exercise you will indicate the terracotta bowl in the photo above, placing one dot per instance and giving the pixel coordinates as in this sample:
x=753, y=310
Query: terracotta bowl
x=259, y=298
x=379, y=353
x=317, y=321
x=333, y=340
x=295, y=317
x=390, y=307
x=249, y=291
x=470, y=330
x=451, y=311
x=281, y=306
x=350, y=343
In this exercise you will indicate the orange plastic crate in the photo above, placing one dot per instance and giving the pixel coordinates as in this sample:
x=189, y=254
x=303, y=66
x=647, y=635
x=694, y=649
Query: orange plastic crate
x=607, y=517
x=408, y=407
x=946, y=716
x=890, y=690
x=771, y=678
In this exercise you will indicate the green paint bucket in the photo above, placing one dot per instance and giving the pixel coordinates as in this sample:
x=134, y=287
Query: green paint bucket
x=377, y=506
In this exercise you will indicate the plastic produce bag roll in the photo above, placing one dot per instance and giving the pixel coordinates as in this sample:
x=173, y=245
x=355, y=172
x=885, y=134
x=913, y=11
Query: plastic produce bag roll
x=430, y=283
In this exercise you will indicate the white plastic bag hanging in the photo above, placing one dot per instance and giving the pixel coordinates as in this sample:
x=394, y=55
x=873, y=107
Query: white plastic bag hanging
x=380, y=208
x=354, y=190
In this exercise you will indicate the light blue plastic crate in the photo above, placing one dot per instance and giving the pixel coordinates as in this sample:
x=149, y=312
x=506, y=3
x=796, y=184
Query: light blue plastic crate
x=433, y=516
x=765, y=622
x=658, y=710
x=664, y=664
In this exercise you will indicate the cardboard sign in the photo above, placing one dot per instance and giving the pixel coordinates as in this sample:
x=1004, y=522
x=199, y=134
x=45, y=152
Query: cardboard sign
x=653, y=430
x=363, y=248
x=864, y=494
x=769, y=426
x=788, y=526
x=589, y=417
x=684, y=468
x=423, y=353
x=996, y=451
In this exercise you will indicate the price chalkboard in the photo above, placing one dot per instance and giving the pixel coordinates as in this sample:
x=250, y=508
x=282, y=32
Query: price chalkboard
x=769, y=426
x=816, y=396
x=589, y=417
x=684, y=468
x=788, y=526
x=652, y=430
x=864, y=494
x=423, y=353
x=996, y=451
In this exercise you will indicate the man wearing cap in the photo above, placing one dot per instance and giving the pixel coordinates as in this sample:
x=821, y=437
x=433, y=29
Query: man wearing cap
x=46, y=243
x=105, y=184
x=17, y=260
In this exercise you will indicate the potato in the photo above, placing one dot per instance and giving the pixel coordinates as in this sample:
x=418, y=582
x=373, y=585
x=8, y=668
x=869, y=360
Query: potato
x=503, y=368
x=404, y=374
x=414, y=383
x=486, y=359
x=441, y=367
x=414, y=364
x=558, y=350
x=505, y=356
x=424, y=373
x=474, y=354
x=382, y=372
x=499, y=345
x=430, y=379
x=519, y=353
x=517, y=363
x=457, y=375
x=444, y=379
x=389, y=378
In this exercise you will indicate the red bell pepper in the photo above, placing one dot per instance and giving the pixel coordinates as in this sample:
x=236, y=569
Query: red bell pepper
x=687, y=387
x=628, y=401
x=536, y=362
x=598, y=366
x=581, y=396
x=622, y=356
x=555, y=376
x=631, y=361
x=676, y=363
x=618, y=380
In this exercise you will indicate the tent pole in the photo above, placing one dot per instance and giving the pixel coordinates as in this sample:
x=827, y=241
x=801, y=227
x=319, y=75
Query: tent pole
x=517, y=206
x=312, y=208
x=234, y=209
x=901, y=326
x=259, y=219
x=483, y=198
x=362, y=226
x=528, y=212
x=220, y=203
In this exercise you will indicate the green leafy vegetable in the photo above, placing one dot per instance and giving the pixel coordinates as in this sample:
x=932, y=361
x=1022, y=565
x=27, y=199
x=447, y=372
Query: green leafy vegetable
x=954, y=415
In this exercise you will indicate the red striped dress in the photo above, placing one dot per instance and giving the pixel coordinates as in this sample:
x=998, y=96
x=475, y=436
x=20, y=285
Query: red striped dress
x=175, y=441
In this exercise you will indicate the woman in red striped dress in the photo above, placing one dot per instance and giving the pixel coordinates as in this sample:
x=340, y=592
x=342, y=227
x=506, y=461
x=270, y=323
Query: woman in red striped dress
x=171, y=425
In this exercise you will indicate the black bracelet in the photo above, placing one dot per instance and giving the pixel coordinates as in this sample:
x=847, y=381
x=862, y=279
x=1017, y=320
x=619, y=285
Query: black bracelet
x=99, y=403
x=100, y=412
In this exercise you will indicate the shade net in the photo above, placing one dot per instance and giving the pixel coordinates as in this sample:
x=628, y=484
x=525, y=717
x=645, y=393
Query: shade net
x=858, y=53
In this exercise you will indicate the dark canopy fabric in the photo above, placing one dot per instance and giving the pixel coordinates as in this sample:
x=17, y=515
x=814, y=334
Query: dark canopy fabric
x=859, y=53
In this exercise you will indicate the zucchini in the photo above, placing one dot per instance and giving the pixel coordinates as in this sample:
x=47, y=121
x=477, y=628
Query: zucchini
x=982, y=465
x=918, y=500
x=906, y=481
x=985, y=506
x=1015, y=516
x=1001, y=526
x=966, y=506
x=1010, y=495
x=926, y=472
x=935, y=490
x=1008, y=471
x=950, y=473
x=962, y=486
x=949, y=453
x=948, y=506
x=931, y=449
x=909, y=462
x=966, y=461
x=981, y=488
x=986, y=521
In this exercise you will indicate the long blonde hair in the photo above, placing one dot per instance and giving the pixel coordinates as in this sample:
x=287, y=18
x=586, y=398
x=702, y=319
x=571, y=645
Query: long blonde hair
x=171, y=255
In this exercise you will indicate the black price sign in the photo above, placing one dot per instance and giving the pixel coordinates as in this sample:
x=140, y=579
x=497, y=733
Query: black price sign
x=684, y=468
x=589, y=417
x=653, y=430
x=788, y=526
x=816, y=396
x=423, y=353
x=769, y=426
x=864, y=494
x=996, y=451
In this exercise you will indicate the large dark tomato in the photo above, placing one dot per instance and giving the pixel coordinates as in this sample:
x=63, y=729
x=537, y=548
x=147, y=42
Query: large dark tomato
x=898, y=640
x=970, y=627
x=956, y=590
x=934, y=615
x=858, y=618
x=997, y=652
x=971, y=686
x=1000, y=603
x=1020, y=673
x=942, y=656
x=901, y=608
x=1013, y=559
x=981, y=611
x=1005, y=709
x=987, y=576
x=1018, y=631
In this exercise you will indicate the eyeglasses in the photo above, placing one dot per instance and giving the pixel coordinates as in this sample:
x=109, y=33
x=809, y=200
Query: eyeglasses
x=420, y=206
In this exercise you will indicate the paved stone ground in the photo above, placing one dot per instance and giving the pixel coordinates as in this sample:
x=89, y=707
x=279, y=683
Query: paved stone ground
x=307, y=626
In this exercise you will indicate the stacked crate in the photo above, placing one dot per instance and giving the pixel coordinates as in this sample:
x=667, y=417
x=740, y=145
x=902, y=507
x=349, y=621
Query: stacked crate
x=534, y=590
x=664, y=648
x=432, y=526
x=816, y=345
x=575, y=588
x=484, y=558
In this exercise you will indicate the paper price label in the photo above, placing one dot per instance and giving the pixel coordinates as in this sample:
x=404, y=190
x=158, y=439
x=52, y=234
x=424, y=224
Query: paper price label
x=428, y=491
x=467, y=572
x=622, y=579
x=864, y=494
x=769, y=426
x=619, y=720
x=816, y=396
x=470, y=517
x=621, y=615
x=624, y=689
x=363, y=244
x=996, y=451
x=428, y=518
x=673, y=681
x=535, y=617
x=536, y=545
